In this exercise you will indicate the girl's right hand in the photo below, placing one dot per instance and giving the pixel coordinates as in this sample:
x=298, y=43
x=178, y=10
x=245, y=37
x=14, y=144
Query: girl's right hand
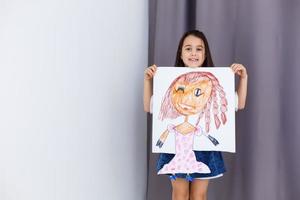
x=150, y=72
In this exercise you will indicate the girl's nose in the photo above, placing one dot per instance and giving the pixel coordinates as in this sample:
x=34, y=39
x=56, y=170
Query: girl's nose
x=193, y=52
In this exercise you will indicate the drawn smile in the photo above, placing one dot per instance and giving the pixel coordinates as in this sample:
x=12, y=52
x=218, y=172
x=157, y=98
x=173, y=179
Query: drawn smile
x=186, y=107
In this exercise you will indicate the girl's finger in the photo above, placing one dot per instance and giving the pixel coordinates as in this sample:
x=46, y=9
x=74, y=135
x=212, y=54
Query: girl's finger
x=149, y=76
x=237, y=68
x=150, y=73
x=152, y=69
x=233, y=64
x=233, y=67
x=147, y=71
x=153, y=66
x=241, y=68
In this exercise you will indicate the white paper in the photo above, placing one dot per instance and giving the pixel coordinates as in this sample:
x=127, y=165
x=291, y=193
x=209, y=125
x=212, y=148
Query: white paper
x=225, y=134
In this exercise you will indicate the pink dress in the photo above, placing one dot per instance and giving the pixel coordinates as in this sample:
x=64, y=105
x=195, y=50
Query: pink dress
x=184, y=160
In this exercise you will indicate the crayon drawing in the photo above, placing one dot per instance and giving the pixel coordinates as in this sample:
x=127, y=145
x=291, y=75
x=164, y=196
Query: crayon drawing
x=193, y=109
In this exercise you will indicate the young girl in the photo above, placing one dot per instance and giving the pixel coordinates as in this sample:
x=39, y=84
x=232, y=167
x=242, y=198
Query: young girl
x=193, y=51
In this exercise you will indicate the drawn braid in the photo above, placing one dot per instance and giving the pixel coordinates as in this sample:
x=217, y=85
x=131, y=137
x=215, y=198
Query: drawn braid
x=213, y=102
x=207, y=115
x=215, y=109
x=223, y=103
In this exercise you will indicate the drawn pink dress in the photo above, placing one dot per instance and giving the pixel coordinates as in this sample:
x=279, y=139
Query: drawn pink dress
x=184, y=160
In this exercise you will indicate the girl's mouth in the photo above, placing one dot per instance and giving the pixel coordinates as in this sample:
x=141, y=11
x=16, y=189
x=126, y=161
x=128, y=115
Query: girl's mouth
x=193, y=59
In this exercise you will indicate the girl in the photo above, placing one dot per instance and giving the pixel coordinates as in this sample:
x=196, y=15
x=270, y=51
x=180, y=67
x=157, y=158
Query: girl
x=193, y=51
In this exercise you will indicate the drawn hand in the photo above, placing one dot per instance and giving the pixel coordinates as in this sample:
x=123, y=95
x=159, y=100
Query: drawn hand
x=213, y=140
x=159, y=143
x=239, y=69
x=150, y=72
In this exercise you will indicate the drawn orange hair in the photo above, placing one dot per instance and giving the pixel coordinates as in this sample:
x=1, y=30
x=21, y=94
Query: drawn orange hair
x=212, y=105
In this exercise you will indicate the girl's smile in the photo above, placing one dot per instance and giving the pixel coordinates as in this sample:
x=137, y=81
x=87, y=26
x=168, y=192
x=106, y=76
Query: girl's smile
x=193, y=51
x=193, y=59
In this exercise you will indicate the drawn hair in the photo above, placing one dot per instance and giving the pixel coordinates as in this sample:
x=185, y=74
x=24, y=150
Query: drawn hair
x=212, y=105
x=208, y=62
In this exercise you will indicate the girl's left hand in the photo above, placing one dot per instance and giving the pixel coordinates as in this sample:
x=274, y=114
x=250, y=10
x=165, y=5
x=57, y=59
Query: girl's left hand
x=239, y=69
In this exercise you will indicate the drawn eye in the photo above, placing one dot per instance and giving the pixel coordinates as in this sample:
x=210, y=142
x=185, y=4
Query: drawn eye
x=198, y=92
x=180, y=88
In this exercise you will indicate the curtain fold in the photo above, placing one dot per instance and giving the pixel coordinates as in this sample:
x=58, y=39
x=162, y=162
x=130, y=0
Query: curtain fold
x=264, y=36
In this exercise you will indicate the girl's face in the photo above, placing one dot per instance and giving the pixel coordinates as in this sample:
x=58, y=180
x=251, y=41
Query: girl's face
x=190, y=98
x=193, y=51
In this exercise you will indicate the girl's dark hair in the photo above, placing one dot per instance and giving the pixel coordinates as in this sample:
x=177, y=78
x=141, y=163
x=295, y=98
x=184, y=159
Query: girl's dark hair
x=208, y=59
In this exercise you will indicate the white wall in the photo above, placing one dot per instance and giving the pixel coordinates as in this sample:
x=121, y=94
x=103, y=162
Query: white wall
x=71, y=119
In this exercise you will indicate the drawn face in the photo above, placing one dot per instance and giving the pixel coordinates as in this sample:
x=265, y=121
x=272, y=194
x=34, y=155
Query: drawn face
x=193, y=51
x=190, y=98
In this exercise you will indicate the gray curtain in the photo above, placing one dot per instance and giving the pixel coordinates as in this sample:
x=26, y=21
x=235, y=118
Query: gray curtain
x=264, y=35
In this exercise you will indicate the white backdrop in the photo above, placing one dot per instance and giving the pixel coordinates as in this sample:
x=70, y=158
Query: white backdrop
x=71, y=120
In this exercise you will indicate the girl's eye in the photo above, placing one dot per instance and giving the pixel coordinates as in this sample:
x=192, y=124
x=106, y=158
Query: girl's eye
x=180, y=88
x=198, y=92
x=199, y=49
x=188, y=49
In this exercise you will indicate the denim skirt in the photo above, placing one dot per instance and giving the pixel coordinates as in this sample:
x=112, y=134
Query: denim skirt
x=213, y=159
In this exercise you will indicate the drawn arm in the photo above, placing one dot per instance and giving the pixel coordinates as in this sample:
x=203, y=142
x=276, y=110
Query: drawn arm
x=162, y=139
x=200, y=132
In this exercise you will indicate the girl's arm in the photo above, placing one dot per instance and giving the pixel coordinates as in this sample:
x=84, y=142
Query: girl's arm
x=148, y=84
x=241, y=71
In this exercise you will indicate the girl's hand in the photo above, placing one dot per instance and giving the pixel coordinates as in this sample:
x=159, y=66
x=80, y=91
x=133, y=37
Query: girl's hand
x=239, y=69
x=150, y=72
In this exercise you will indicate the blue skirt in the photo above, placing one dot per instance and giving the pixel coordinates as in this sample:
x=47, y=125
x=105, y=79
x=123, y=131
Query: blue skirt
x=213, y=159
